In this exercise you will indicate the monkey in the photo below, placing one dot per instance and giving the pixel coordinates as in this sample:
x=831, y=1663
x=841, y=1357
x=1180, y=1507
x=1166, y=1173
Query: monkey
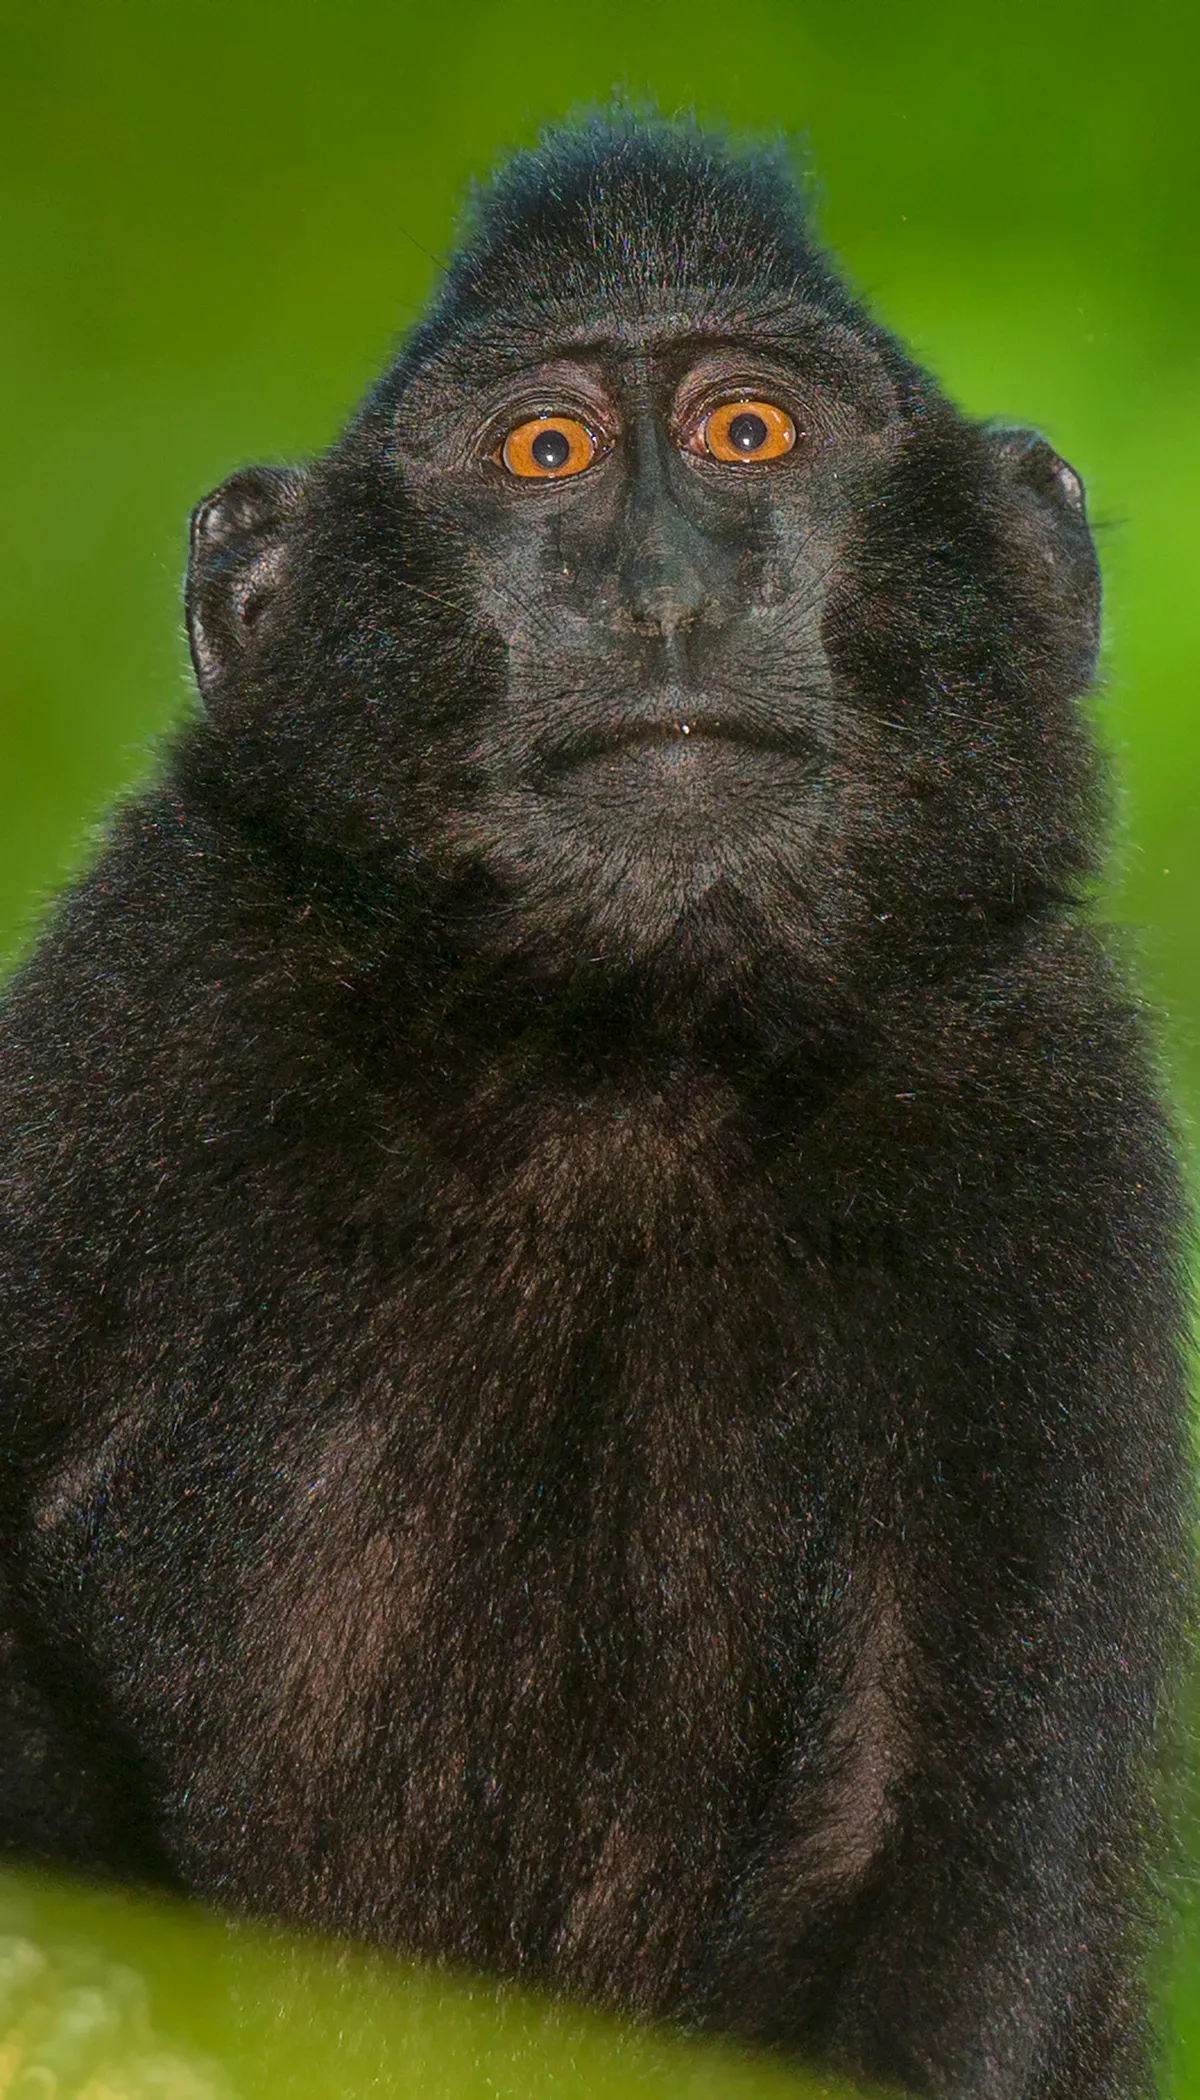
x=592, y=1252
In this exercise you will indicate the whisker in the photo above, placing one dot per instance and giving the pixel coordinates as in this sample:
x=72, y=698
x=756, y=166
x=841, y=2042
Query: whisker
x=418, y=590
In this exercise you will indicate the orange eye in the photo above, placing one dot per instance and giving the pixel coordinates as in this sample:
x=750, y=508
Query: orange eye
x=745, y=431
x=548, y=448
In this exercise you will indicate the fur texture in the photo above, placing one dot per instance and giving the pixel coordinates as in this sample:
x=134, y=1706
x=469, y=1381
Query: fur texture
x=592, y=1317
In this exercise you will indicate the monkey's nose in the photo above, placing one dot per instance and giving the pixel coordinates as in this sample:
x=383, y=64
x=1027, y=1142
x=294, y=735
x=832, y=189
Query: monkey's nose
x=664, y=559
x=666, y=612
x=664, y=587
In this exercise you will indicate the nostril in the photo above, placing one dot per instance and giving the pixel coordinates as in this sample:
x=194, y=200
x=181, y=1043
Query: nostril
x=665, y=615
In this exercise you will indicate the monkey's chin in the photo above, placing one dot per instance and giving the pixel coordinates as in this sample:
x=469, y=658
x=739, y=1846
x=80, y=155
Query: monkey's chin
x=705, y=873
x=670, y=811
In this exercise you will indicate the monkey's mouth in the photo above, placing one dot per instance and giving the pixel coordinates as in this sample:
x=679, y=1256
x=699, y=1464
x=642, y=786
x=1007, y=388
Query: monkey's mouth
x=689, y=744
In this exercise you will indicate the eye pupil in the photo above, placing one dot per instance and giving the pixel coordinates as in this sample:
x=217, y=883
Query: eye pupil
x=747, y=432
x=551, y=449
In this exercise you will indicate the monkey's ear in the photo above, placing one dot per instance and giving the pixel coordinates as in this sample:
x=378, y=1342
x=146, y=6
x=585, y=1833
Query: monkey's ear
x=236, y=558
x=1051, y=522
x=1028, y=462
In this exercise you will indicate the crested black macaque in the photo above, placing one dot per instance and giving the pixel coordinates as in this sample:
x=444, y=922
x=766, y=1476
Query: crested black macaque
x=591, y=1262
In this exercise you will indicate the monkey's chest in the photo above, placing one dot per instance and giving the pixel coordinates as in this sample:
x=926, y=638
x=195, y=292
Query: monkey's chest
x=517, y=1693
x=500, y=1668
x=500, y=1645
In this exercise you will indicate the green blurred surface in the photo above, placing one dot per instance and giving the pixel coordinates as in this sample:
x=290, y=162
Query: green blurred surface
x=216, y=220
x=108, y=1997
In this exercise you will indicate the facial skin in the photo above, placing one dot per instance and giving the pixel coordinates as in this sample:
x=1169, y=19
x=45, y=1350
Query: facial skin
x=667, y=724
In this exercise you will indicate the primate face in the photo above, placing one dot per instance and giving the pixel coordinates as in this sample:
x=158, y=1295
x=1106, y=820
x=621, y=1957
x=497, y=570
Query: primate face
x=654, y=513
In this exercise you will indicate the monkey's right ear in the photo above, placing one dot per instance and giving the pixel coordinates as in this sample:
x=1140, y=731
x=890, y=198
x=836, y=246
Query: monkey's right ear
x=235, y=563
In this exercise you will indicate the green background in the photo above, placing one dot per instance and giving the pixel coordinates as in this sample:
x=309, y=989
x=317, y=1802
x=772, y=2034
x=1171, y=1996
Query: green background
x=216, y=220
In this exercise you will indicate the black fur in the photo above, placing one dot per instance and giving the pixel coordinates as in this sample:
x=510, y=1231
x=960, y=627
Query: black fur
x=592, y=1346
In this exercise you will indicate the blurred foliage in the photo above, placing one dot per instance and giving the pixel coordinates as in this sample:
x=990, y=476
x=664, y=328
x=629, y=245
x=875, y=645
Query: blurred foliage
x=214, y=222
x=108, y=1997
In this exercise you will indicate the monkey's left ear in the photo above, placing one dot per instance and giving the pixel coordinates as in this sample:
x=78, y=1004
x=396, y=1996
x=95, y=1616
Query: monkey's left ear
x=1029, y=462
x=1051, y=525
x=235, y=563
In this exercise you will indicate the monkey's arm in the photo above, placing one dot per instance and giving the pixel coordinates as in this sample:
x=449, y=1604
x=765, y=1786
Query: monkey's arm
x=997, y=1935
x=967, y=1915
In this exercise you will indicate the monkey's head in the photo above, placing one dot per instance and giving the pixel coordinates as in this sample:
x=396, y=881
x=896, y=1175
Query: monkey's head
x=659, y=605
